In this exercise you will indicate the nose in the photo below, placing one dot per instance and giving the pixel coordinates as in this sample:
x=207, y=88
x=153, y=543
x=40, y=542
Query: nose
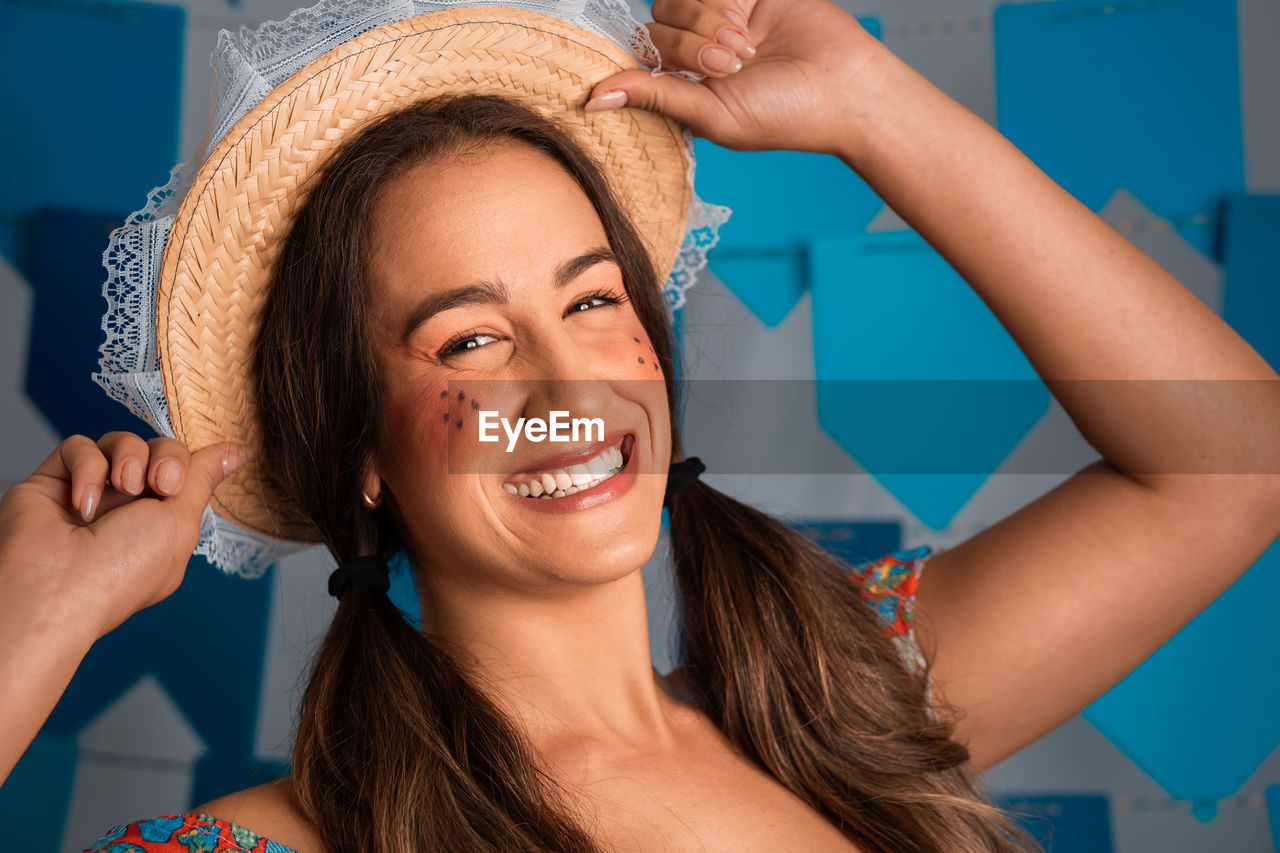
x=564, y=375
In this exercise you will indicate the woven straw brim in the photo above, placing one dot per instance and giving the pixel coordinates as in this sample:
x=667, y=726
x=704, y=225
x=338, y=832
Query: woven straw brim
x=227, y=234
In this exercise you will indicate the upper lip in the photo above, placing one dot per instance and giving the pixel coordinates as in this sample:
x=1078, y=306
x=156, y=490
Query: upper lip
x=579, y=454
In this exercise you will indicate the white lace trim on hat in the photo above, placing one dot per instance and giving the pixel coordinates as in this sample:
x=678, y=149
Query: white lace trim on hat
x=246, y=66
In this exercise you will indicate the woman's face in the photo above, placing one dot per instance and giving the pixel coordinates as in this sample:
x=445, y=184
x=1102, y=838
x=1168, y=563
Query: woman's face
x=494, y=296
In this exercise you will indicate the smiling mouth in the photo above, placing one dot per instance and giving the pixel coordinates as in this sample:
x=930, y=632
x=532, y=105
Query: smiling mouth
x=552, y=483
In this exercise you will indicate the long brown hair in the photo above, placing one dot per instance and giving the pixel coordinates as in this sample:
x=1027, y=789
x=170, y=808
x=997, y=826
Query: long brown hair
x=396, y=750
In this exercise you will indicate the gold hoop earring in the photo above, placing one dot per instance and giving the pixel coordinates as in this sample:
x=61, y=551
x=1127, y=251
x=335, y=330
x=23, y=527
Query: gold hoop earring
x=372, y=503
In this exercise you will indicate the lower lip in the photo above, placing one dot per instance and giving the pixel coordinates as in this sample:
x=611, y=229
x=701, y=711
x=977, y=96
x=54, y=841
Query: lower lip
x=614, y=487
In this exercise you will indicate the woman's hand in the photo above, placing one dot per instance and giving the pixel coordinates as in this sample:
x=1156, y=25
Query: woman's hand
x=107, y=527
x=797, y=91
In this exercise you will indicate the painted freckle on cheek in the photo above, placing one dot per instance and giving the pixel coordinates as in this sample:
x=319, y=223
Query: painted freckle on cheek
x=475, y=406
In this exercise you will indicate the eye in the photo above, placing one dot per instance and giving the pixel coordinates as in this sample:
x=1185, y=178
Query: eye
x=595, y=300
x=465, y=342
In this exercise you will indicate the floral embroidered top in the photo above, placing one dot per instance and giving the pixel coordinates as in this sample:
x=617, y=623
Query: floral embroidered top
x=185, y=833
x=888, y=585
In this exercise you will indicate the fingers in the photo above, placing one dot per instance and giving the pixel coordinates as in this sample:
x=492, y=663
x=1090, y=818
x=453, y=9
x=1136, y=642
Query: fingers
x=208, y=468
x=706, y=37
x=168, y=469
x=131, y=465
x=79, y=460
x=710, y=38
x=681, y=49
x=127, y=455
x=160, y=464
x=689, y=103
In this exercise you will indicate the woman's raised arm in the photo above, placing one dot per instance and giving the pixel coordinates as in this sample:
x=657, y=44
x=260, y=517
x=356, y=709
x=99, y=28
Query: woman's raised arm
x=1039, y=614
x=1036, y=616
x=99, y=531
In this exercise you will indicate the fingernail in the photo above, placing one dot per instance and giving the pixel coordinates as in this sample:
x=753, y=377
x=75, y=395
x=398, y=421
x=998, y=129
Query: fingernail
x=167, y=476
x=735, y=41
x=738, y=18
x=91, y=495
x=235, y=459
x=608, y=101
x=716, y=58
x=131, y=477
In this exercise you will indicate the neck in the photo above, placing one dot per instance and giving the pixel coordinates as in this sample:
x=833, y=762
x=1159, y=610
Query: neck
x=571, y=668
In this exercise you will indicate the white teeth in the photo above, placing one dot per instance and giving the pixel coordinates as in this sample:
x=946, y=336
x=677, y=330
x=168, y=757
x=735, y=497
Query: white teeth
x=560, y=482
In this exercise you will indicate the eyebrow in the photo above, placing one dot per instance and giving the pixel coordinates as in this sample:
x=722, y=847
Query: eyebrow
x=487, y=292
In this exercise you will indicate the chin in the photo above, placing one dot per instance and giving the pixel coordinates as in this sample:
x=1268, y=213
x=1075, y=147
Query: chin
x=595, y=559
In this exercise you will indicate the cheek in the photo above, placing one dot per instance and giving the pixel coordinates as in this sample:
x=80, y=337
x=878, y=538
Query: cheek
x=637, y=358
x=458, y=419
x=438, y=428
x=458, y=407
x=418, y=427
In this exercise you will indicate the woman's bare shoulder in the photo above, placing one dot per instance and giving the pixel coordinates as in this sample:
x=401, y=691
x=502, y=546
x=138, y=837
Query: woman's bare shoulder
x=267, y=810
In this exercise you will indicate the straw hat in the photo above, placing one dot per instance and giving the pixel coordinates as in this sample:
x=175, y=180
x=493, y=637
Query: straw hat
x=225, y=236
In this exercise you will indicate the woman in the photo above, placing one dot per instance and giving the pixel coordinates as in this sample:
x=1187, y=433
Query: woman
x=526, y=713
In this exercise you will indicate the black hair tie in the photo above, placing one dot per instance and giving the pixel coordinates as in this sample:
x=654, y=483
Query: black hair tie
x=681, y=475
x=370, y=571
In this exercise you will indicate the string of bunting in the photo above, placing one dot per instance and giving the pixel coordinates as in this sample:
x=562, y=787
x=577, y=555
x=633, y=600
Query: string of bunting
x=1125, y=805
